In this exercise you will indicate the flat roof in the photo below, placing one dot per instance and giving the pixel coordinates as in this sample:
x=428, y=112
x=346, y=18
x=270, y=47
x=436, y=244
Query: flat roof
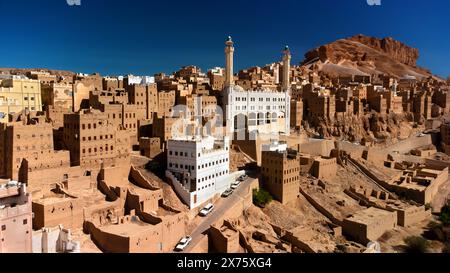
x=53, y=200
x=127, y=229
x=430, y=171
x=369, y=216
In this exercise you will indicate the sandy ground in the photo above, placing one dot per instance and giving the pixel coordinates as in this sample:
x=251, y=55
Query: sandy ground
x=393, y=241
x=87, y=245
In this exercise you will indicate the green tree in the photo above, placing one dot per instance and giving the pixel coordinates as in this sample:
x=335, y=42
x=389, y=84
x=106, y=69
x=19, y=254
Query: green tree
x=261, y=197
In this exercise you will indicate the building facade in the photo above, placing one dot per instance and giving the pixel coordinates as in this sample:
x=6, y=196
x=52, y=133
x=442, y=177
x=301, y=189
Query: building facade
x=58, y=95
x=93, y=140
x=198, y=167
x=29, y=138
x=262, y=110
x=15, y=218
x=18, y=94
x=281, y=172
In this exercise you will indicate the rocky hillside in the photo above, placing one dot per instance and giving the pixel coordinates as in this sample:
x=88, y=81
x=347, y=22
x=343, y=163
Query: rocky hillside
x=19, y=71
x=372, y=127
x=363, y=55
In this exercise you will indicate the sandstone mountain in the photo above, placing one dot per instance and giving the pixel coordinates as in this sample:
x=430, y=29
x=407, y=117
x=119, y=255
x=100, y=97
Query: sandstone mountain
x=363, y=55
x=62, y=73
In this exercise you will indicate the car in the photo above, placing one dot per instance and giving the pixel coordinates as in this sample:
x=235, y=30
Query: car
x=183, y=243
x=243, y=177
x=207, y=210
x=227, y=193
x=235, y=185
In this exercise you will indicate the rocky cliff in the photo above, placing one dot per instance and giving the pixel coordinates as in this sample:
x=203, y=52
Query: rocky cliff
x=372, y=127
x=395, y=49
x=363, y=55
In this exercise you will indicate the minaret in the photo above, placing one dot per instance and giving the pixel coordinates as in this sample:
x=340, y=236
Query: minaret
x=229, y=52
x=286, y=87
x=276, y=73
x=286, y=69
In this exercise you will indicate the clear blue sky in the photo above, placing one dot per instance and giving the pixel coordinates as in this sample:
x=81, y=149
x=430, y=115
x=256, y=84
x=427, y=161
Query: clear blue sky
x=145, y=36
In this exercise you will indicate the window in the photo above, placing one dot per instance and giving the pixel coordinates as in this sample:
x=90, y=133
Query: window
x=3, y=227
x=25, y=221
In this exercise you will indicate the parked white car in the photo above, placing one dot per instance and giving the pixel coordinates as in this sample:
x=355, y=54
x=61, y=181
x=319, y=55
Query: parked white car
x=207, y=210
x=183, y=243
x=227, y=193
x=235, y=185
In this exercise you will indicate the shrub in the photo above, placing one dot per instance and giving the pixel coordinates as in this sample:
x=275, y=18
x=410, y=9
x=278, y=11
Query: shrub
x=154, y=167
x=434, y=225
x=446, y=248
x=416, y=244
x=445, y=214
x=261, y=197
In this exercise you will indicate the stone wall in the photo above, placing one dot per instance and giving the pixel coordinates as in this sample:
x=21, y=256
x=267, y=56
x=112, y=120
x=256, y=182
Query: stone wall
x=317, y=147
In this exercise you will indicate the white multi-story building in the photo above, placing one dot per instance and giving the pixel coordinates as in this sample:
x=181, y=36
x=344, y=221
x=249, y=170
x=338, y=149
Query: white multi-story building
x=144, y=80
x=264, y=111
x=198, y=167
x=218, y=71
x=275, y=146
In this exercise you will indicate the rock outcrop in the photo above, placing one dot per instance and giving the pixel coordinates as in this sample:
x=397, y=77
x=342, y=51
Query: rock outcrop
x=363, y=55
x=372, y=127
x=393, y=48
